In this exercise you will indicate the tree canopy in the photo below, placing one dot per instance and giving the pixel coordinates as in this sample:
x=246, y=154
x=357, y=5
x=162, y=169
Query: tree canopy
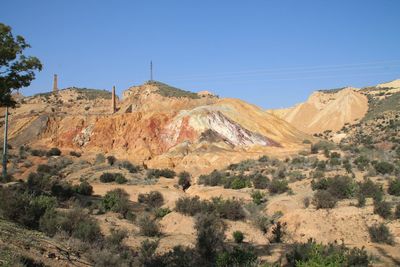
x=16, y=69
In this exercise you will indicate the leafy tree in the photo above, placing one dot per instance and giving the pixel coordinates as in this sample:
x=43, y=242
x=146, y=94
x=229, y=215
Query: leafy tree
x=16, y=71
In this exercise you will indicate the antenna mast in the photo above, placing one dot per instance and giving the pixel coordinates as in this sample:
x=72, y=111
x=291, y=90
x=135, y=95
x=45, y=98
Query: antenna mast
x=151, y=70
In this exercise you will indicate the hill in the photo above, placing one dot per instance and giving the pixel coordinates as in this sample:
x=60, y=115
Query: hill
x=156, y=125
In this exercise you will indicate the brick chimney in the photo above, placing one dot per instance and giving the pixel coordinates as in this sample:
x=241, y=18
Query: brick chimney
x=113, y=101
x=55, y=83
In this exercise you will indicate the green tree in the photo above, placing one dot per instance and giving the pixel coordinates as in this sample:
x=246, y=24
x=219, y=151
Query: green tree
x=16, y=71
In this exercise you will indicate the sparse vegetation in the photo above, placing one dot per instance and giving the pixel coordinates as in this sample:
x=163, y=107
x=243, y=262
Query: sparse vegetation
x=380, y=234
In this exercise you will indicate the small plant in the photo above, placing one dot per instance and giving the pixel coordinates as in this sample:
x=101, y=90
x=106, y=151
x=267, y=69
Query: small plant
x=397, y=212
x=306, y=202
x=116, y=200
x=184, y=180
x=120, y=178
x=100, y=158
x=238, y=236
x=111, y=160
x=278, y=232
x=84, y=188
x=394, y=187
x=239, y=256
x=154, y=199
x=382, y=208
x=384, y=167
x=75, y=154
x=129, y=166
x=380, y=234
x=38, y=152
x=361, y=200
x=260, y=181
x=157, y=173
x=161, y=212
x=148, y=227
x=258, y=197
x=278, y=186
x=107, y=177
x=53, y=152
x=324, y=200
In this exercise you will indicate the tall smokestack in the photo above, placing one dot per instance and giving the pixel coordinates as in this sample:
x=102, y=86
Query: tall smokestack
x=113, y=101
x=55, y=83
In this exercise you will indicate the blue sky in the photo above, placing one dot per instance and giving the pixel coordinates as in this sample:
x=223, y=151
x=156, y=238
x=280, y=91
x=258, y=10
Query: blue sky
x=270, y=53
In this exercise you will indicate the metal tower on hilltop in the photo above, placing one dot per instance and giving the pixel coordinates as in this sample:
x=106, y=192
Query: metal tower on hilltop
x=151, y=70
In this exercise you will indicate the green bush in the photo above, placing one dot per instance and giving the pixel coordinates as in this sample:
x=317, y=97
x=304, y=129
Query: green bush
x=210, y=236
x=184, y=180
x=238, y=236
x=238, y=183
x=38, y=152
x=44, y=168
x=258, y=197
x=100, y=158
x=213, y=179
x=368, y=188
x=75, y=154
x=157, y=173
x=361, y=162
x=278, y=186
x=116, y=200
x=230, y=209
x=380, y=234
x=394, y=187
x=62, y=190
x=84, y=188
x=239, y=256
x=260, y=181
x=120, y=178
x=147, y=226
x=153, y=199
x=107, y=177
x=192, y=206
x=324, y=200
x=384, y=167
x=332, y=254
x=340, y=187
x=129, y=166
x=397, y=212
x=111, y=160
x=161, y=212
x=53, y=152
x=278, y=231
x=382, y=208
x=263, y=159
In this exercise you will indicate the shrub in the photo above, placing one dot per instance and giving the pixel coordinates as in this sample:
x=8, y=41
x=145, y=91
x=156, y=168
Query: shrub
x=107, y=177
x=361, y=200
x=260, y=181
x=263, y=223
x=84, y=188
x=361, y=162
x=38, y=152
x=38, y=182
x=120, y=178
x=116, y=200
x=306, y=202
x=154, y=199
x=341, y=187
x=238, y=236
x=129, y=166
x=53, y=152
x=332, y=254
x=79, y=225
x=394, y=187
x=380, y=234
x=278, y=186
x=100, y=158
x=75, y=154
x=147, y=226
x=258, y=197
x=278, y=232
x=192, y=206
x=237, y=183
x=213, y=179
x=384, y=167
x=210, y=235
x=62, y=190
x=228, y=209
x=161, y=212
x=239, y=256
x=111, y=160
x=382, y=208
x=370, y=189
x=184, y=180
x=397, y=212
x=44, y=168
x=157, y=173
x=263, y=159
x=324, y=200
x=321, y=184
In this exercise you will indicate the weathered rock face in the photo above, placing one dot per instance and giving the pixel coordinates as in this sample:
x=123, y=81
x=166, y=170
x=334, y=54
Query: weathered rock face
x=164, y=128
x=326, y=111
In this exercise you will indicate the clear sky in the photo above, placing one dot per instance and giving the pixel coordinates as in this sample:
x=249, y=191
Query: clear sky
x=270, y=53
